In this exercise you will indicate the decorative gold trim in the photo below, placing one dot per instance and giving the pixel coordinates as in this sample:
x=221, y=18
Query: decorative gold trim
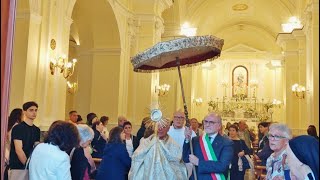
x=53, y=44
x=240, y=7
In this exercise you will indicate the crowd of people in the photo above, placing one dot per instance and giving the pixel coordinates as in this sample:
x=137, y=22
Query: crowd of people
x=171, y=151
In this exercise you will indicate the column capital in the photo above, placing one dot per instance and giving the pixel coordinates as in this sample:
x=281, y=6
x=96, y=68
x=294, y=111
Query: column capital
x=287, y=41
x=35, y=6
x=133, y=29
x=159, y=29
x=162, y=5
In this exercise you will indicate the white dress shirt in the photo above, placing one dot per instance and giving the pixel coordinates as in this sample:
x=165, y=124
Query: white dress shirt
x=178, y=135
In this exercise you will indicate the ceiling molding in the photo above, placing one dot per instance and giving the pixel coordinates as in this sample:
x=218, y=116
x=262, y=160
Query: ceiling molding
x=242, y=48
x=242, y=51
x=101, y=51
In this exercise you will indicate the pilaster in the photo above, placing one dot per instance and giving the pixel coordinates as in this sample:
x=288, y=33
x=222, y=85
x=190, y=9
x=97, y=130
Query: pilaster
x=290, y=47
x=144, y=30
x=310, y=20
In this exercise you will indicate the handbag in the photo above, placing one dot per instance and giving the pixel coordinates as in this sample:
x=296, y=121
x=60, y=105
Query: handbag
x=20, y=174
x=245, y=163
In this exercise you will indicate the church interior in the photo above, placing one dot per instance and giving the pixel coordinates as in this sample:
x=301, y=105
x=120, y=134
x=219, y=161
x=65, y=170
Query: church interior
x=75, y=55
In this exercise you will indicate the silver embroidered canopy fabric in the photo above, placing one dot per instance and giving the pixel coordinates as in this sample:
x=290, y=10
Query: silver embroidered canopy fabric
x=190, y=51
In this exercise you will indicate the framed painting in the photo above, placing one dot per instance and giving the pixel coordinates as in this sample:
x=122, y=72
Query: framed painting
x=240, y=82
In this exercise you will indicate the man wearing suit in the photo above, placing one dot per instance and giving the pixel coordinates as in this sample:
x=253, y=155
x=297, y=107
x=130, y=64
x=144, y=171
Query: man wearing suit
x=212, y=152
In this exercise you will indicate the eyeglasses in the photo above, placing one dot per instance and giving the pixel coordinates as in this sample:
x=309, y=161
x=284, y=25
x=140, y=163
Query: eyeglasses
x=209, y=122
x=179, y=117
x=275, y=137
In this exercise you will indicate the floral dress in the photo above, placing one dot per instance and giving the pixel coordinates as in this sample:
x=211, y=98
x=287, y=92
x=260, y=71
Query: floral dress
x=277, y=167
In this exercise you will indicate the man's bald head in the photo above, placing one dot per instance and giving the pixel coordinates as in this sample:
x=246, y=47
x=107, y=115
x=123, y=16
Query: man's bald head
x=178, y=119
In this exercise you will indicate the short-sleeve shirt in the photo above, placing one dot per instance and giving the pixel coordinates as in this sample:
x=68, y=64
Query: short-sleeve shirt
x=28, y=135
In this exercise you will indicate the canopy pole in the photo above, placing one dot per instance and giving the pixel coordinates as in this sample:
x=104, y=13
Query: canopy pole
x=186, y=113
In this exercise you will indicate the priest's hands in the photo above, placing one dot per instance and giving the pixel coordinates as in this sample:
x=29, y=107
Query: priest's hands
x=193, y=159
x=188, y=133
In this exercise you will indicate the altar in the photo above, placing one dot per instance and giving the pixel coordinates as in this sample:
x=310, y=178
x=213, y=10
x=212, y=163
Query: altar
x=251, y=110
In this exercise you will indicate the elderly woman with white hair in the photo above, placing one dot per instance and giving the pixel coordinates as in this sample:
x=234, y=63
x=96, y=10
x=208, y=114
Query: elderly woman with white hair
x=82, y=163
x=277, y=167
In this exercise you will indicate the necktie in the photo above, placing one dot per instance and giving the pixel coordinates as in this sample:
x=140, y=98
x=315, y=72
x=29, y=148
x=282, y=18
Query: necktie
x=210, y=139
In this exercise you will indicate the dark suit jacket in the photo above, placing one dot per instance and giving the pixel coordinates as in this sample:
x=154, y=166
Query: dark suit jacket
x=115, y=164
x=79, y=164
x=224, y=151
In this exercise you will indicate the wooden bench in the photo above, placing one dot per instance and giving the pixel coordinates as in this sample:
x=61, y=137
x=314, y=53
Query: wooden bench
x=259, y=170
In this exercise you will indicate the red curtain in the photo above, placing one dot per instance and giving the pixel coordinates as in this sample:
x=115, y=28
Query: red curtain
x=8, y=8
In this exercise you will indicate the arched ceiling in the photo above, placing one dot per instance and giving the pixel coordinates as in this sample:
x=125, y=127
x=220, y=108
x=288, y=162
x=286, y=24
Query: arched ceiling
x=255, y=23
x=215, y=14
x=96, y=24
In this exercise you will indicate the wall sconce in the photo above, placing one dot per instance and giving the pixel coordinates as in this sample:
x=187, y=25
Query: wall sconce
x=198, y=101
x=298, y=90
x=61, y=63
x=72, y=87
x=162, y=90
x=187, y=30
x=276, y=103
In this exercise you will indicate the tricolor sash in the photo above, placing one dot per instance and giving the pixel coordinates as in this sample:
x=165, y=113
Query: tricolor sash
x=209, y=155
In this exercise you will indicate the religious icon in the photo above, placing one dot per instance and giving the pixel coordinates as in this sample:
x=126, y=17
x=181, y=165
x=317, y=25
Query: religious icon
x=240, y=82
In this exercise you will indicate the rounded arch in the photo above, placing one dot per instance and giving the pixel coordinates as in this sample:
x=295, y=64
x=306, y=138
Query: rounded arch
x=249, y=35
x=240, y=80
x=96, y=23
x=207, y=14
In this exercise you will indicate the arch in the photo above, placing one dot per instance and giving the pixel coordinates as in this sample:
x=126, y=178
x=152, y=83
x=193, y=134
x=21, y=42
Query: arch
x=248, y=35
x=96, y=29
x=97, y=24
